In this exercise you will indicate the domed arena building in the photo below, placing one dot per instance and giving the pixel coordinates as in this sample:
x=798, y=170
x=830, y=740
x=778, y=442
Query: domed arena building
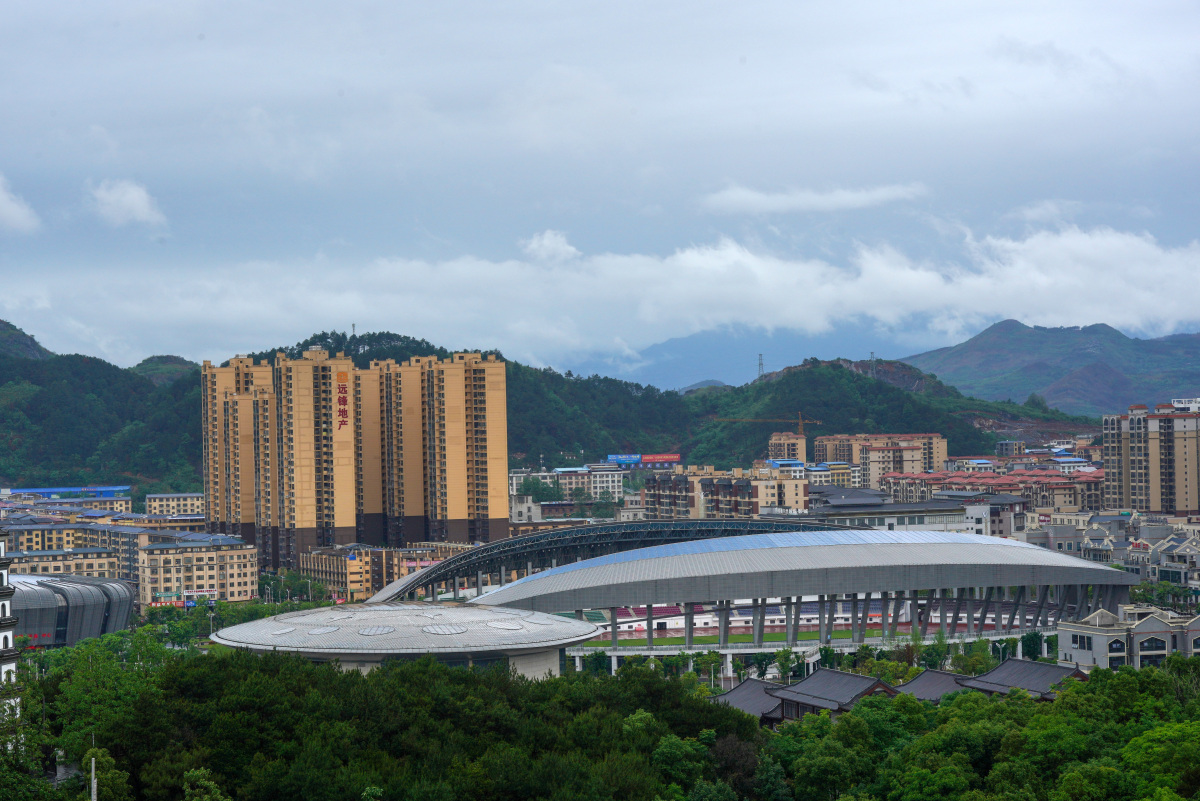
x=363, y=636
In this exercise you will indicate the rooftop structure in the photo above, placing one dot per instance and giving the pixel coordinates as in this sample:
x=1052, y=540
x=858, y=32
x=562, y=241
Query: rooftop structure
x=363, y=636
x=794, y=564
x=62, y=610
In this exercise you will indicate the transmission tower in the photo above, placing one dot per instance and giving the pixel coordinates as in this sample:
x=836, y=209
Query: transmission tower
x=760, y=366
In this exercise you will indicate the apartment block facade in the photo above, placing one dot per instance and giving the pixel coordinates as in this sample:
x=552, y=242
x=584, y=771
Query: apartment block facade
x=1152, y=459
x=706, y=494
x=175, y=503
x=313, y=452
x=883, y=453
x=787, y=445
x=220, y=569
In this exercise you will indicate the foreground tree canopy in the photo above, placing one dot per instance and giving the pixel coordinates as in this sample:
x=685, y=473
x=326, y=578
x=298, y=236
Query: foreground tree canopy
x=174, y=725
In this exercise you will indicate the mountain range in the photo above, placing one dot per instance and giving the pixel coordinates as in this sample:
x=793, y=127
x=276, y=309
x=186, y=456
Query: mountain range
x=1089, y=370
x=71, y=419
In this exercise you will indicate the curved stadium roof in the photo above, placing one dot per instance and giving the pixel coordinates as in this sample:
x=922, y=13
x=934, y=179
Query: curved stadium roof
x=405, y=628
x=796, y=564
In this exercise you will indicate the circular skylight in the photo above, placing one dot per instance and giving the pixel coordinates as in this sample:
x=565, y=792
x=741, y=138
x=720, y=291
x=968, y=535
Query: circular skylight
x=444, y=628
x=375, y=631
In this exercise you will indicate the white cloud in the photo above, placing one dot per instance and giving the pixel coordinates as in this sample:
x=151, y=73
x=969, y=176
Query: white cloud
x=15, y=213
x=741, y=200
x=122, y=202
x=549, y=246
x=553, y=311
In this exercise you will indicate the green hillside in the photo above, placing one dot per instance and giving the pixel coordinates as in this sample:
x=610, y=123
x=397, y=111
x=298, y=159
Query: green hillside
x=16, y=343
x=164, y=369
x=1089, y=370
x=67, y=420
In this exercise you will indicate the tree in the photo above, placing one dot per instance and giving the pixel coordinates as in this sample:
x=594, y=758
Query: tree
x=762, y=663
x=785, y=659
x=539, y=490
x=198, y=785
x=111, y=784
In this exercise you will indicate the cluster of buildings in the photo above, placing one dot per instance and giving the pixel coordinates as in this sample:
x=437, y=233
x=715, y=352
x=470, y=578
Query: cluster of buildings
x=311, y=452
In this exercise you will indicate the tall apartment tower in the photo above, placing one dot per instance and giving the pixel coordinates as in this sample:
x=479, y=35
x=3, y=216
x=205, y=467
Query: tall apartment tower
x=787, y=445
x=313, y=452
x=1152, y=459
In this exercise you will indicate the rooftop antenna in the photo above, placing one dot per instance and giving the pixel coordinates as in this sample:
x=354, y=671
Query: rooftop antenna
x=760, y=366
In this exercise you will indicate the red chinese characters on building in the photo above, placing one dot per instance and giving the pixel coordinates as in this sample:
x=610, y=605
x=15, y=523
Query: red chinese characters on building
x=343, y=402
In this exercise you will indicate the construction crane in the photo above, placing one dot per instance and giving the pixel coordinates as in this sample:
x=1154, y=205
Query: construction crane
x=798, y=420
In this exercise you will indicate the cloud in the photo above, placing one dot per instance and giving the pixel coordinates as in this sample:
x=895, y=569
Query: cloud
x=554, y=311
x=549, y=246
x=15, y=213
x=740, y=200
x=122, y=202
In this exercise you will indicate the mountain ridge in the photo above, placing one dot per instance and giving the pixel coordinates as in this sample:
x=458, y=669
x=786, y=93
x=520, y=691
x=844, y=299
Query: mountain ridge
x=1088, y=370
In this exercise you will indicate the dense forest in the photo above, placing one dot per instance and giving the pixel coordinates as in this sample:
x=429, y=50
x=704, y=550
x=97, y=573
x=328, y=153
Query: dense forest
x=166, y=724
x=70, y=420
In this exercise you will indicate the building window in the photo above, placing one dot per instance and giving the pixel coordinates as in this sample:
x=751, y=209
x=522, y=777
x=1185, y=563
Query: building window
x=1116, y=646
x=1153, y=644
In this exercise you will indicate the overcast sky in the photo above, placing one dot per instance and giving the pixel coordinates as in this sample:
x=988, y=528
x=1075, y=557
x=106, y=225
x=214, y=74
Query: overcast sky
x=579, y=180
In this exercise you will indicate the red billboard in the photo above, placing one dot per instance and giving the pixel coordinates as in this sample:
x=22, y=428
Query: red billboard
x=655, y=458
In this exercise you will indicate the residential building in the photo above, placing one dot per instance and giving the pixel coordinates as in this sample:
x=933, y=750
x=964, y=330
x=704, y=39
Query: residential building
x=866, y=508
x=312, y=452
x=593, y=479
x=883, y=453
x=1152, y=459
x=218, y=568
x=1045, y=491
x=787, y=445
x=175, y=503
x=1138, y=635
x=355, y=572
x=1010, y=447
x=831, y=691
x=702, y=493
x=92, y=562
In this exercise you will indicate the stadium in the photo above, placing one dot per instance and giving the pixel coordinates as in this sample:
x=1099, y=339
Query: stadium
x=362, y=637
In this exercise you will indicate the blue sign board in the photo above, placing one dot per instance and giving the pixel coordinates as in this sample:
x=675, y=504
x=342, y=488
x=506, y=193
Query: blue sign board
x=189, y=604
x=624, y=458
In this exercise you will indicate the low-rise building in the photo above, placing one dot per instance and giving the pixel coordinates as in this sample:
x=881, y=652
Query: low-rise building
x=215, y=567
x=8, y=622
x=92, y=562
x=175, y=503
x=591, y=479
x=1138, y=635
x=355, y=572
x=702, y=493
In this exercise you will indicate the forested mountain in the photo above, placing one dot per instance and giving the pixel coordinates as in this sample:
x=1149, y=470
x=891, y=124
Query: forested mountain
x=16, y=343
x=164, y=369
x=1090, y=370
x=67, y=420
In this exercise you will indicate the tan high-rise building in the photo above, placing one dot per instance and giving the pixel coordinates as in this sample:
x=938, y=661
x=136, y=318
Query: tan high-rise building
x=787, y=445
x=883, y=453
x=314, y=452
x=1152, y=459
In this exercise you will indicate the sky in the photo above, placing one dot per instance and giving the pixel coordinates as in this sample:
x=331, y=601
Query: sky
x=573, y=183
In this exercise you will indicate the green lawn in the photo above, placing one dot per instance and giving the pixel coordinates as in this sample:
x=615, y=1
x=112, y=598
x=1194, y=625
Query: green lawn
x=711, y=639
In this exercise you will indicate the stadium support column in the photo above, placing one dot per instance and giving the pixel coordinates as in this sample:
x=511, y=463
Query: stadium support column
x=650, y=624
x=612, y=629
x=885, y=599
x=478, y=583
x=1040, y=610
x=854, y=617
x=917, y=611
x=689, y=625
x=987, y=607
x=454, y=581
x=502, y=576
x=822, y=628
x=789, y=634
x=942, y=611
x=866, y=617
x=958, y=604
x=528, y=569
x=760, y=619
x=723, y=623
x=579, y=614
x=1018, y=604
